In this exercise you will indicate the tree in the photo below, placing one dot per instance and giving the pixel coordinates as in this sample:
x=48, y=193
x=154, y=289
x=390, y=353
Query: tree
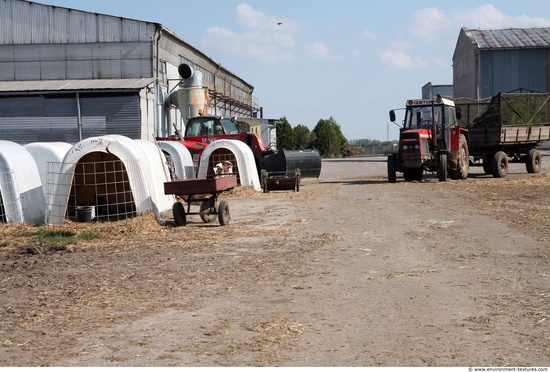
x=285, y=134
x=302, y=137
x=328, y=138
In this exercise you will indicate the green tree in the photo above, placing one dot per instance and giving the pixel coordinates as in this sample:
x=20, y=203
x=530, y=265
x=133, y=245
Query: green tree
x=302, y=136
x=328, y=138
x=285, y=134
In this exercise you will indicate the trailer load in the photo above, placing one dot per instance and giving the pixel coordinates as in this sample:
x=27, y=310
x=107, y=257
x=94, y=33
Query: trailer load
x=506, y=128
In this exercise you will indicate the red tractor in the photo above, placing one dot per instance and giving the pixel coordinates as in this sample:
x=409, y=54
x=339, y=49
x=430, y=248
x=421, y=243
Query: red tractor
x=200, y=131
x=430, y=139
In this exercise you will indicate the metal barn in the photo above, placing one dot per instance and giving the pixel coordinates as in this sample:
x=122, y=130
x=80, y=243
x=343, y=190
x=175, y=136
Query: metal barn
x=486, y=62
x=66, y=75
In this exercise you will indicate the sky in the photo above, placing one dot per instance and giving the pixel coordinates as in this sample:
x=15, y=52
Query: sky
x=309, y=60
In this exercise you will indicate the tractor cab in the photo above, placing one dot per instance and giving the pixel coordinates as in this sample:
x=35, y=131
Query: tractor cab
x=210, y=126
x=434, y=118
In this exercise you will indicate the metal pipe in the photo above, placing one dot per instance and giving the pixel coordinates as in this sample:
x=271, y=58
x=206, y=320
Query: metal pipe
x=79, y=116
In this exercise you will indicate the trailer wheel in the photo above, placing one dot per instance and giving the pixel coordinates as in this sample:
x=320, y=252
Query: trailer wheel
x=223, y=213
x=499, y=165
x=442, y=168
x=533, y=161
x=462, y=166
x=179, y=214
x=487, y=164
x=207, y=212
x=392, y=176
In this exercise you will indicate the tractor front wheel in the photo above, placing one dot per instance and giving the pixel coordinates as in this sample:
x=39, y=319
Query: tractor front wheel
x=392, y=176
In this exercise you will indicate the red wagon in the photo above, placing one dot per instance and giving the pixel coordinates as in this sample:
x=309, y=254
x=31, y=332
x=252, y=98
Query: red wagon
x=205, y=192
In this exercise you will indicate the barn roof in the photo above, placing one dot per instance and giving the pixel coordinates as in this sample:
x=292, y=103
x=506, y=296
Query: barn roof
x=512, y=38
x=74, y=85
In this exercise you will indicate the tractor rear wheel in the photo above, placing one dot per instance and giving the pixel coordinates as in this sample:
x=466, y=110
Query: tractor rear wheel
x=179, y=214
x=223, y=213
x=463, y=162
x=499, y=165
x=533, y=161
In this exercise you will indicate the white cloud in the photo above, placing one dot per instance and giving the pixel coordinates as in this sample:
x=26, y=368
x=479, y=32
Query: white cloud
x=397, y=57
x=319, y=50
x=488, y=16
x=426, y=23
x=267, y=47
x=430, y=23
x=252, y=19
x=267, y=37
x=369, y=35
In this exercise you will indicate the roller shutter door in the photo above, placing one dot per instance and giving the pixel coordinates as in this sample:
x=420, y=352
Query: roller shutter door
x=54, y=117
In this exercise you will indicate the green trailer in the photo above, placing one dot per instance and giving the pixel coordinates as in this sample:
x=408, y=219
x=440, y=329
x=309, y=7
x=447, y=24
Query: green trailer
x=506, y=128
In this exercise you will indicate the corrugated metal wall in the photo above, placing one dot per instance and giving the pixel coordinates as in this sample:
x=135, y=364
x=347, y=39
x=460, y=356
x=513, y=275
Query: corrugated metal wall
x=23, y=22
x=55, y=117
x=509, y=69
x=76, y=61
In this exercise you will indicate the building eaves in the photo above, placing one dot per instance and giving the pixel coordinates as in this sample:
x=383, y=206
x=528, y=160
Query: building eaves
x=74, y=85
x=511, y=38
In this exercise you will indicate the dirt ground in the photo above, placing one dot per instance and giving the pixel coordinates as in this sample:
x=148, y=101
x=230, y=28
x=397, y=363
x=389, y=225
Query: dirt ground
x=349, y=271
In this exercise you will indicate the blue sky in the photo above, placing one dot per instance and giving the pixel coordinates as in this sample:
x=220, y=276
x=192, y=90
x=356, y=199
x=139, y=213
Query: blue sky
x=352, y=60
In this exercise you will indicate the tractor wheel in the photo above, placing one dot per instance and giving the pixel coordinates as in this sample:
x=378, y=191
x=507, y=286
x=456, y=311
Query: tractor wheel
x=392, y=176
x=206, y=210
x=463, y=162
x=179, y=214
x=442, y=168
x=413, y=174
x=499, y=165
x=533, y=161
x=223, y=213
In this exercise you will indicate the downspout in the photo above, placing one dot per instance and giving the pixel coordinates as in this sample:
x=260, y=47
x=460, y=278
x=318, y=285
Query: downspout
x=156, y=119
x=79, y=116
x=478, y=75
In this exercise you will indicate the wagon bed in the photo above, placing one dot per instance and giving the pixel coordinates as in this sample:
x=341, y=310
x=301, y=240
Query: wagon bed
x=205, y=191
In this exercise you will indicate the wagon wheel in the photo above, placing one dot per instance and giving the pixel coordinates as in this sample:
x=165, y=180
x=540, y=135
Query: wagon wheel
x=533, y=161
x=207, y=211
x=223, y=213
x=179, y=214
x=499, y=165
